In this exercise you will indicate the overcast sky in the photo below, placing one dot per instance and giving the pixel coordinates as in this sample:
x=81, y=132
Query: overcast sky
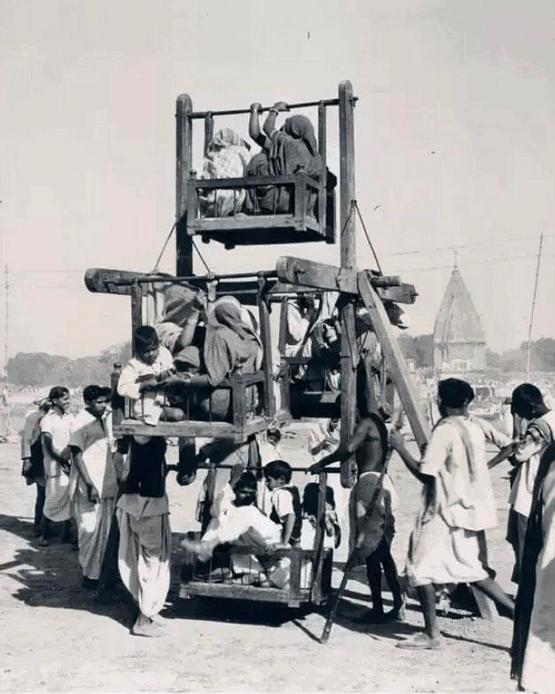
x=455, y=142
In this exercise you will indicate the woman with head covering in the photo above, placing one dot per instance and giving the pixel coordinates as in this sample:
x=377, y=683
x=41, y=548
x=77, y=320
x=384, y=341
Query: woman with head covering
x=231, y=347
x=290, y=150
x=183, y=307
x=227, y=157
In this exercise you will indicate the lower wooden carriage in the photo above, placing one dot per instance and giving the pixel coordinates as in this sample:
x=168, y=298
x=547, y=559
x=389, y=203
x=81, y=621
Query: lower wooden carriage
x=309, y=580
x=308, y=571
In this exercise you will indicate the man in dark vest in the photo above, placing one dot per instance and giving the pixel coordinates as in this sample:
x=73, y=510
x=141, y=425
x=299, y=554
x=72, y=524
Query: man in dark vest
x=145, y=534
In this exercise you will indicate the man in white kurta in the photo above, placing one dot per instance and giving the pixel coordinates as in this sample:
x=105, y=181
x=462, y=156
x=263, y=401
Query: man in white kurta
x=55, y=429
x=94, y=484
x=458, y=506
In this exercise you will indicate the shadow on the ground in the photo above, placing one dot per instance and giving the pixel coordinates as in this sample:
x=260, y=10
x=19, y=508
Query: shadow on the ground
x=494, y=646
x=51, y=577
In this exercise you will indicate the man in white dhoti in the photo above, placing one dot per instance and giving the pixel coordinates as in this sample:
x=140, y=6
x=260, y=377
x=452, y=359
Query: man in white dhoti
x=94, y=481
x=145, y=534
x=55, y=429
x=458, y=505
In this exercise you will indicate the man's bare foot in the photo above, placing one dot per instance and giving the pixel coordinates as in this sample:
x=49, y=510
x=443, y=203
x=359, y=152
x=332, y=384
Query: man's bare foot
x=158, y=622
x=145, y=627
x=421, y=642
x=397, y=614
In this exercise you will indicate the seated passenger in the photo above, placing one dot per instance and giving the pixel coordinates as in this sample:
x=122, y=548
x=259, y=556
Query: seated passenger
x=183, y=308
x=186, y=363
x=292, y=149
x=236, y=520
x=227, y=157
x=283, y=503
x=143, y=378
x=231, y=347
x=332, y=536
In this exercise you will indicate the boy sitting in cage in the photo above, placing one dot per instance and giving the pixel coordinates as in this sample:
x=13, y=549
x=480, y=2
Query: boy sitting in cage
x=236, y=520
x=143, y=379
x=281, y=501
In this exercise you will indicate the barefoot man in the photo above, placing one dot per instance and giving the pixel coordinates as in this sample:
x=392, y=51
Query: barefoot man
x=458, y=505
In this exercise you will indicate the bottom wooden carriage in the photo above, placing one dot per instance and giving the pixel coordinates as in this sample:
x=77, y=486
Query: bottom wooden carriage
x=235, y=573
x=291, y=576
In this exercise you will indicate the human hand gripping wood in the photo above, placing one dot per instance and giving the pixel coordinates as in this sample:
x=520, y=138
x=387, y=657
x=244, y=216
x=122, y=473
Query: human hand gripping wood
x=235, y=474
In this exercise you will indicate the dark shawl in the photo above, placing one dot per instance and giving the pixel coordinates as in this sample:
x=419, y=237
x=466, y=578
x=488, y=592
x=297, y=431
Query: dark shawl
x=533, y=545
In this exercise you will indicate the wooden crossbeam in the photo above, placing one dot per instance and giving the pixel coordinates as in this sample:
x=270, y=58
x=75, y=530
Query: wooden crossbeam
x=397, y=365
x=299, y=271
x=105, y=281
x=316, y=277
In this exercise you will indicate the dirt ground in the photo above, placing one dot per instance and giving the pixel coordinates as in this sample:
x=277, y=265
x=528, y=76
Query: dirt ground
x=55, y=638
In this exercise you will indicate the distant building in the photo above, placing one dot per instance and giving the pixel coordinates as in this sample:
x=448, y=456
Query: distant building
x=459, y=340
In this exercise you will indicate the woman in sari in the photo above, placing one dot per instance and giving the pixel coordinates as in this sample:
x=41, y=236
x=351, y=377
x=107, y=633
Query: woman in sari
x=533, y=649
x=231, y=347
x=290, y=150
x=227, y=157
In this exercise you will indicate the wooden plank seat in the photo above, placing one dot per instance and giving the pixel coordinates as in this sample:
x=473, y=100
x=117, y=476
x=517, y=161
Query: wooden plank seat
x=300, y=225
x=215, y=578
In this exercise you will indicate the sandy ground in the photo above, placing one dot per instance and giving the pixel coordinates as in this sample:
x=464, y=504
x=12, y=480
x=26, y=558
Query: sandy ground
x=55, y=638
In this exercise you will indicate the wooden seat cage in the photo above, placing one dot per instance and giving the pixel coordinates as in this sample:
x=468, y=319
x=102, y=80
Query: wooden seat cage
x=309, y=569
x=303, y=222
x=261, y=290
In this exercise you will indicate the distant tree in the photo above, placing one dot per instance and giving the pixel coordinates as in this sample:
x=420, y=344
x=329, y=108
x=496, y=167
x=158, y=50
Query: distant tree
x=419, y=348
x=543, y=354
x=424, y=350
x=41, y=369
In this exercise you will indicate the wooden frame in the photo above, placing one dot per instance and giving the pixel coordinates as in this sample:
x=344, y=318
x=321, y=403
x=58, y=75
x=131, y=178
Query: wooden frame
x=292, y=274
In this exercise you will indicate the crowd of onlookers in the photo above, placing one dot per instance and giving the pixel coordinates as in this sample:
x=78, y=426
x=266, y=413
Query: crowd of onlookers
x=83, y=473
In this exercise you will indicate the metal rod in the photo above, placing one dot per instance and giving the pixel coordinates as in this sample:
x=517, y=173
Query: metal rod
x=269, y=274
x=224, y=466
x=239, y=111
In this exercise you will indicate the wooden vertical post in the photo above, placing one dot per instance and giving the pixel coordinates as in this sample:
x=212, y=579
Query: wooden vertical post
x=349, y=356
x=322, y=198
x=184, y=242
x=136, y=311
x=269, y=401
x=183, y=166
x=208, y=131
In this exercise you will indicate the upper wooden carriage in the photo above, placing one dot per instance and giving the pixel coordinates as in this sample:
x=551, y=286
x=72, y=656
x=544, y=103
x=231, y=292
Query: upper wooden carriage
x=311, y=214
